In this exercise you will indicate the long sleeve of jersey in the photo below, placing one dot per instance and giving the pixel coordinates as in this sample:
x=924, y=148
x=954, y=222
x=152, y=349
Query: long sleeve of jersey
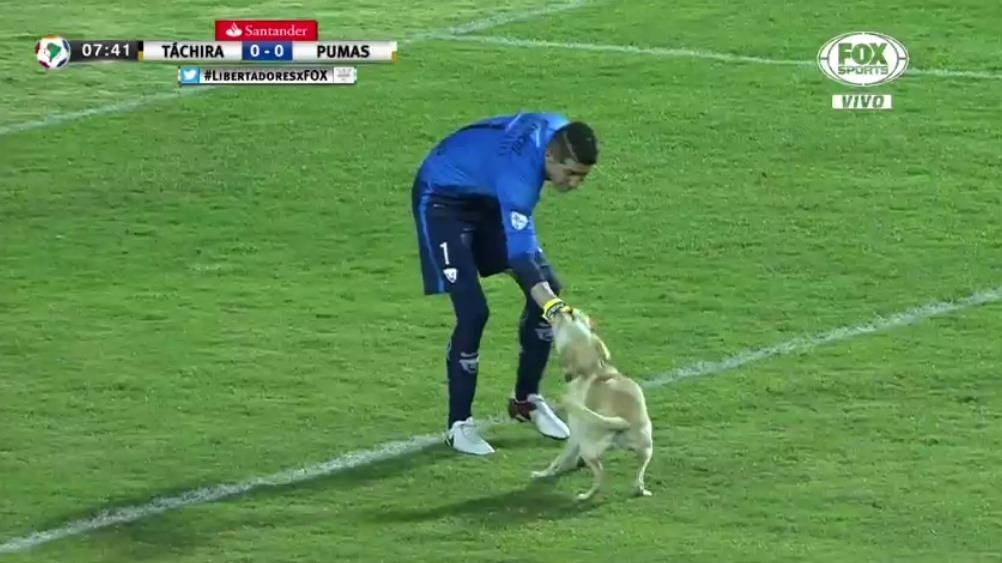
x=517, y=192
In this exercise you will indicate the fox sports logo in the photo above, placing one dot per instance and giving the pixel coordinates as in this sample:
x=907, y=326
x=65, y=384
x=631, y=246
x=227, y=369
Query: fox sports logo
x=52, y=52
x=863, y=58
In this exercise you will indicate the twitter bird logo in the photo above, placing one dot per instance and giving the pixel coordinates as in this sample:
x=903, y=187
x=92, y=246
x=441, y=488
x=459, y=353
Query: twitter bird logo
x=189, y=75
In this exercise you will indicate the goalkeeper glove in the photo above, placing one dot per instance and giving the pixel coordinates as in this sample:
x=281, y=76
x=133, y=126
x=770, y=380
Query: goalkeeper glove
x=554, y=307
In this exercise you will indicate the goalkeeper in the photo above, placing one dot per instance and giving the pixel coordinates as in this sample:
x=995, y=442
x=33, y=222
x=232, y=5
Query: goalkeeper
x=473, y=199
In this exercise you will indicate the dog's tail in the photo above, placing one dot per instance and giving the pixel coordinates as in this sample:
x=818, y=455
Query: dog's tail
x=610, y=422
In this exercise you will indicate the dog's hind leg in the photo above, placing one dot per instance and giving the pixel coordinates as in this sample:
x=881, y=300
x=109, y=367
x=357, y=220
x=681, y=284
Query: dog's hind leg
x=597, y=471
x=565, y=460
x=644, y=455
x=571, y=460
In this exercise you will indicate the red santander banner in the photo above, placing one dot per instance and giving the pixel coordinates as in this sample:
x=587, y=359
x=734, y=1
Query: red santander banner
x=267, y=30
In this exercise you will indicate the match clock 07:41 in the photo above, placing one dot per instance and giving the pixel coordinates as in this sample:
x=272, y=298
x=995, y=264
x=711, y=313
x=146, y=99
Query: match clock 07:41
x=105, y=50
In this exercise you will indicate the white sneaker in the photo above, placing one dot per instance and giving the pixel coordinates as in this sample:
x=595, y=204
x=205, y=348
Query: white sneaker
x=463, y=437
x=535, y=409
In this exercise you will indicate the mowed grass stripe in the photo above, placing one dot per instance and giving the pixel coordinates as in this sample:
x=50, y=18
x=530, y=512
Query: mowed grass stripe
x=484, y=24
x=396, y=449
x=690, y=53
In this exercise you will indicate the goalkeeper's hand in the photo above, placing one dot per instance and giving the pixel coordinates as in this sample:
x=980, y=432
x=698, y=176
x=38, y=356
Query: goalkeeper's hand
x=554, y=307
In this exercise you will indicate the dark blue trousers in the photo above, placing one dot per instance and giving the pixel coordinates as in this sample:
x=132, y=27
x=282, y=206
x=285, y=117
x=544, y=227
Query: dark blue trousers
x=459, y=242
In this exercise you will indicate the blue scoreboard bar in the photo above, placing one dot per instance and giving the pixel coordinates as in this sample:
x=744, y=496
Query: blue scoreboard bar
x=267, y=51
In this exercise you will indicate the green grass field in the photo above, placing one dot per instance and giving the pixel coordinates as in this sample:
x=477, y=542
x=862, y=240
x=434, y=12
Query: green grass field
x=209, y=288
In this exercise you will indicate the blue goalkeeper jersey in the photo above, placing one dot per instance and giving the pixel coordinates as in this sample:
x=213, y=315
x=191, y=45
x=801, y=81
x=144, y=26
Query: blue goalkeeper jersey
x=501, y=158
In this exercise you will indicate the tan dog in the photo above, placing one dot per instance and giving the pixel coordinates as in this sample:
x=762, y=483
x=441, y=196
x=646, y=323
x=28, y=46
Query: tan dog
x=604, y=407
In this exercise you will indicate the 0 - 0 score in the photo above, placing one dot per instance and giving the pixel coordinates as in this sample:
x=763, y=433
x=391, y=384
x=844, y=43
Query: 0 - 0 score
x=255, y=50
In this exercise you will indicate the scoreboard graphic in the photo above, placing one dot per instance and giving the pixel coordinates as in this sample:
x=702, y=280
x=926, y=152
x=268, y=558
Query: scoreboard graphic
x=244, y=52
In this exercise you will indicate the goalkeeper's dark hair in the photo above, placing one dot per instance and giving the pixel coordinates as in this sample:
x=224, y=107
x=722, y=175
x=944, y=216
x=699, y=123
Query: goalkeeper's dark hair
x=575, y=141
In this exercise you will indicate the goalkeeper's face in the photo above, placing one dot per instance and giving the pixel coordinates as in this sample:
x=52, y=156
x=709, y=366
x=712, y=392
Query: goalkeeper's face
x=567, y=175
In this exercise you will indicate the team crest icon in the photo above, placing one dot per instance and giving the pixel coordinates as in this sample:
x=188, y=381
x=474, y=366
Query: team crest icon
x=519, y=221
x=450, y=274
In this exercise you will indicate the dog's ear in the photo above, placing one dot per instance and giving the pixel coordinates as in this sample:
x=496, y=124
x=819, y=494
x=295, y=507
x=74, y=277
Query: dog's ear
x=569, y=359
x=601, y=348
x=565, y=361
x=578, y=359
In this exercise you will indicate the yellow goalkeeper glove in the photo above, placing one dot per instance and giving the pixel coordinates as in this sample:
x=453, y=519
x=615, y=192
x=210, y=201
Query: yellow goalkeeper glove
x=554, y=307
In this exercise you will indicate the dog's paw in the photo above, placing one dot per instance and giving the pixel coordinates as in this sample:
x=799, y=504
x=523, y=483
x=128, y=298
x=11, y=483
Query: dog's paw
x=585, y=496
x=644, y=493
x=540, y=474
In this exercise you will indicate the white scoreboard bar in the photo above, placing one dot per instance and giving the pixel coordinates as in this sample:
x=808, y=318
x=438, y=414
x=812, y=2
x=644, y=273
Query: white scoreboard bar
x=354, y=52
x=344, y=51
x=192, y=51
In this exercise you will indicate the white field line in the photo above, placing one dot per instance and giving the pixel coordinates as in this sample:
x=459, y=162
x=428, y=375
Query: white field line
x=391, y=450
x=691, y=54
x=121, y=107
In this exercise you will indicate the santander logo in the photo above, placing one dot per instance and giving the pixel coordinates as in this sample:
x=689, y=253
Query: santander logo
x=266, y=30
x=293, y=31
